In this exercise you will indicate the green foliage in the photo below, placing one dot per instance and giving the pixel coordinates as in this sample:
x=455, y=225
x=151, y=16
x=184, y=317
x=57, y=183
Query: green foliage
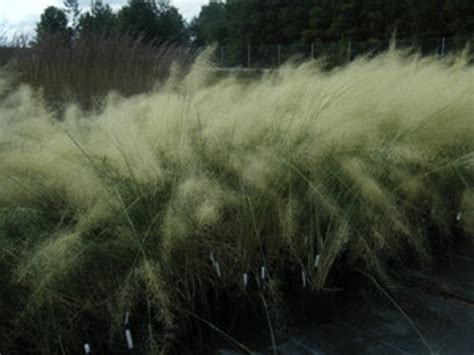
x=326, y=27
x=210, y=26
x=151, y=21
x=139, y=18
x=171, y=26
x=238, y=22
x=53, y=27
x=99, y=21
x=458, y=16
x=71, y=8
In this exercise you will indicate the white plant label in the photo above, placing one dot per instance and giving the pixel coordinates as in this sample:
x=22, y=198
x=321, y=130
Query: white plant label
x=128, y=336
x=246, y=280
x=87, y=348
x=316, y=261
x=212, y=258
x=459, y=216
x=218, y=269
x=263, y=273
x=127, y=318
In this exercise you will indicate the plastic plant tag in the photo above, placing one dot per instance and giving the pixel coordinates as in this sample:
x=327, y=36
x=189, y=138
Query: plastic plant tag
x=246, y=280
x=127, y=318
x=128, y=336
x=316, y=261
x=459, y=216
x=263, y=273
x=218, y=269
x=212, y=258
x=87, y=348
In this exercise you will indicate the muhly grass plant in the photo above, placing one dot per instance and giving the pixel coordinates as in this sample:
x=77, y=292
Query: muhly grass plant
x=158, y=200
x=87, y=70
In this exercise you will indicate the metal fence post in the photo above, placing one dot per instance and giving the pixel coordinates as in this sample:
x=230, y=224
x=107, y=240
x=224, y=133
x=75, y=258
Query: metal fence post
x=249, y=56
x=279, y=55
x=222, y=56
x=349, y=51
x=341, y=49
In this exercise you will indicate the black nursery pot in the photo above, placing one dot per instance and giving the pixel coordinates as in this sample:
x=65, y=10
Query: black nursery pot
x=308, y=305
x=236, y=311
x=243, y=312
x=318, y=306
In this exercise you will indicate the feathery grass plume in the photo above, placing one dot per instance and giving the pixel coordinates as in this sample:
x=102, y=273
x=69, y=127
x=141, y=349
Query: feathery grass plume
x=92, y=66
x=466, y=213
x=121, y=208
x=54, y=259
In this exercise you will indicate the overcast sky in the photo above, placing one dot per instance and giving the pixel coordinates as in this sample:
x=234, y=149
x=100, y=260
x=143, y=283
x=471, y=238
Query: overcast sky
x=21, y=15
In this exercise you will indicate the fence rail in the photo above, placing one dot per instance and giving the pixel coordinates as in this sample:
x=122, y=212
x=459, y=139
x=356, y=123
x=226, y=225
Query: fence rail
x=267, y=56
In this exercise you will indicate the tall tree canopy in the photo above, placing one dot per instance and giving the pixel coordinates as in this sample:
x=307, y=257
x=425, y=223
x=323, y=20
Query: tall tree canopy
x=100, y=20
x=239, y=22
x=151, y=20
x=287, y=21
x=71, y=8
x=210, y=25
x=53, y=26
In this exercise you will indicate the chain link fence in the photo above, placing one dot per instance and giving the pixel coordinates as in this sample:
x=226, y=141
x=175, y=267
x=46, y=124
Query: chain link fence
x=268, y=56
